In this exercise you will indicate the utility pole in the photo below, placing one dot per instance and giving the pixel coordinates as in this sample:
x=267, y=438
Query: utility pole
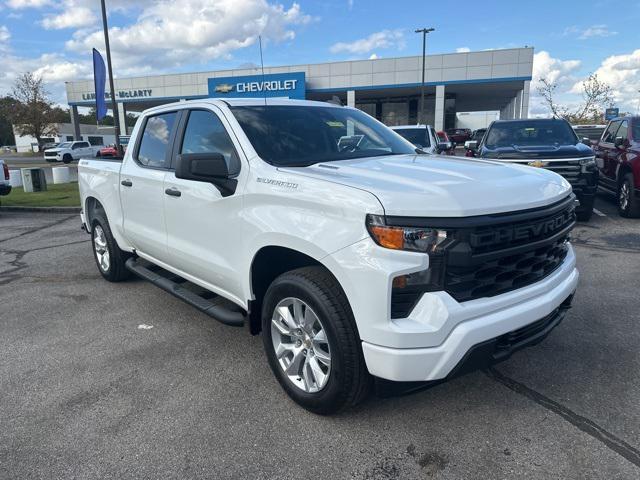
x=424, y=32
x=114, y=104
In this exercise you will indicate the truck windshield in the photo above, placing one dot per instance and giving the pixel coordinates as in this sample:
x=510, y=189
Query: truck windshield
x=295, y=135
x=417, y=136
x=546, y=132
x=65, y=145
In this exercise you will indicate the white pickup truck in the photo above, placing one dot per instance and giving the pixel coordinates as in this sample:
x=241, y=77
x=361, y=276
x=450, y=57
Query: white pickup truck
x=69, y=151
x=356, y=257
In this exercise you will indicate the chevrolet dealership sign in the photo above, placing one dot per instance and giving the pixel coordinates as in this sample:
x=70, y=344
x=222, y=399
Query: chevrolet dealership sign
x=291, y=85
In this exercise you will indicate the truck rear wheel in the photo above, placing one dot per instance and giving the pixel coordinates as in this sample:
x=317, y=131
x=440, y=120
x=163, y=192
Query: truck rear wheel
x=628, y=203
x=108, y=256
x=312, y=343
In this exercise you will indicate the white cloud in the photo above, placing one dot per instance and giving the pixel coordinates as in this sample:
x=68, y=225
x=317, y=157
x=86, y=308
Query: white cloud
x=463, y=49
x=70, y=18
x=622, y=74
x=17, y=4
x=373, y=56
x=350, y=4
x=559, y=72
x=215, y=30
x=597, y=31
x=382, y=39
x=5, y=35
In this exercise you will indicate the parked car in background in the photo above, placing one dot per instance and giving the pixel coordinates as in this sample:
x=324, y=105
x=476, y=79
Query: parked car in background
x=68, y=151
x=355, y=256
x=545, y=143
x=110, y=150
x=592, y=132
x=449, y=146
x=475, y=137
x=459, y=135
x=423, y=137
x=46, y=146
x=5, y=185
x=618, y=159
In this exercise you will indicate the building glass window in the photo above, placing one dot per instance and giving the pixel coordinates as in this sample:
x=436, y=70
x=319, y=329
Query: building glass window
x=95, y=140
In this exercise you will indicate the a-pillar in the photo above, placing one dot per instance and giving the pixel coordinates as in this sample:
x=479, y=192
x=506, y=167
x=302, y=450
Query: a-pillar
x=75, y=122
x=438, y=122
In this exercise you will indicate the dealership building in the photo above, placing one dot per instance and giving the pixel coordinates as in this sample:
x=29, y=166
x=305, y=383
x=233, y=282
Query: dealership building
x=386, y=88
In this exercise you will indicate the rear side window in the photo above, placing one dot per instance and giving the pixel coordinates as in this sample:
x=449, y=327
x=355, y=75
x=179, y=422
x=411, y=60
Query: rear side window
x=205, y=133
x=609, y=134
x=417, y=136
x=155, y=139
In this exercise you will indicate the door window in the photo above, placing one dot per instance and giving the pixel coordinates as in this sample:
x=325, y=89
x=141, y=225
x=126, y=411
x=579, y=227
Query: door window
x=205, y=133
x=155, y=139
x=623, y=131
x=609, y=134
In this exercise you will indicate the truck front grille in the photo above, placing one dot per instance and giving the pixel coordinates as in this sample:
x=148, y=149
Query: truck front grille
x=492, y=254
x=569, y=169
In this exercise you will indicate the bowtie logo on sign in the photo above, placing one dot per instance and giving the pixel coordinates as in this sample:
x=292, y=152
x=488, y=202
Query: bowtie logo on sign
x=283, y=85
x=224, y=88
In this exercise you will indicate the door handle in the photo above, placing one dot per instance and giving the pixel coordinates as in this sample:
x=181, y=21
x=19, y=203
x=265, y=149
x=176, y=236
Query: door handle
x=173, y=192
x=126, y=183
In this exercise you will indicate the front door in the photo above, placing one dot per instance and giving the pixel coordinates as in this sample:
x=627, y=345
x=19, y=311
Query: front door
x=141, y=186
x=203, y=226
x=606, y=156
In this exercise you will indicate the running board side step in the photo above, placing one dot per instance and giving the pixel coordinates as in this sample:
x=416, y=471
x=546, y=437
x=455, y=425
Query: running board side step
x=207, y=302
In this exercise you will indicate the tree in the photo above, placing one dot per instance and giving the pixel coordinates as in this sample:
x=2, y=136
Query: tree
x=33, y=113
x=596, y=96
x=7, y=105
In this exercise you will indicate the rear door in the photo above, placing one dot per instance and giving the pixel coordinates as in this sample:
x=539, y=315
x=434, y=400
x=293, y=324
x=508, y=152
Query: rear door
x=203, y=226
x=142, y=185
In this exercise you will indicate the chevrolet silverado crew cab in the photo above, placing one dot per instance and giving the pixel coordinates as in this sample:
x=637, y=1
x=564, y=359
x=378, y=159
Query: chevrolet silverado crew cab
x=68, y=151
x=356, y=257
x=548, y=143
x=618, y=159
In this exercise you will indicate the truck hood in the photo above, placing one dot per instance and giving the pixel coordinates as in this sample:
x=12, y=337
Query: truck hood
x=537, y=152
x=439, y=186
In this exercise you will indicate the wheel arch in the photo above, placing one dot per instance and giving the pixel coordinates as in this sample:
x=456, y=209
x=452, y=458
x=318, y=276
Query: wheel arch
x=268, y=263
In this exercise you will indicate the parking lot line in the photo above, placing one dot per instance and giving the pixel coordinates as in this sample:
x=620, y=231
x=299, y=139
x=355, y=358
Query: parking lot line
x=599, y=213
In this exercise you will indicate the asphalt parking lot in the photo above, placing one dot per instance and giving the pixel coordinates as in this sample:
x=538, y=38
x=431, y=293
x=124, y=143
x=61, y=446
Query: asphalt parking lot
x=87, y=392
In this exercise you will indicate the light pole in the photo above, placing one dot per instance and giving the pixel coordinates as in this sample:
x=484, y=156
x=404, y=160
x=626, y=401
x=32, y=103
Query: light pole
x=114, y=104
x=424, y=32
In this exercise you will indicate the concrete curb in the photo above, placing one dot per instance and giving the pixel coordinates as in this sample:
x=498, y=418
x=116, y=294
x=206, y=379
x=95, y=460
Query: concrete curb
x=41, y=209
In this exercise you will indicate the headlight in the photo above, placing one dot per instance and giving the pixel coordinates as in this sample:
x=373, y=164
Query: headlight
x=426, y=240
x=588, y=161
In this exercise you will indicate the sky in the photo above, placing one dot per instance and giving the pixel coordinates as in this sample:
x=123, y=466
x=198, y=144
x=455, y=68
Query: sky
x=572, y=39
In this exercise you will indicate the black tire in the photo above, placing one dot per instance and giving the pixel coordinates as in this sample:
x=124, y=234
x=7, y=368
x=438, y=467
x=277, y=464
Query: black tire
x=349, y=381
x=585, y=210
x=116, y=271
x=67, y=158
x=631, y=207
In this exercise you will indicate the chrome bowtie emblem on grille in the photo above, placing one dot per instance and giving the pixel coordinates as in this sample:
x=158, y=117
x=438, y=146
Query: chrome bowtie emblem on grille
x=538, y=164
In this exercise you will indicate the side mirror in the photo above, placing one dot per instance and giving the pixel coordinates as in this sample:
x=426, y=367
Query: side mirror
x=619, y=142
x=444, y=146
x=471, y=145
x=206, y=167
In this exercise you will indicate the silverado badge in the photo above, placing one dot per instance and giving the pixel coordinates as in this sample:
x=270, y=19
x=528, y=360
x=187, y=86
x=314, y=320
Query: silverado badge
x=538, y=164
x=224, y=88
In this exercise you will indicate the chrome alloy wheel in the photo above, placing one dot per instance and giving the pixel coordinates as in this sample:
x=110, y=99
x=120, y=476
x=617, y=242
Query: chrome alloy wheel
x=625, y=194
x=101, y=248
x=301, y=345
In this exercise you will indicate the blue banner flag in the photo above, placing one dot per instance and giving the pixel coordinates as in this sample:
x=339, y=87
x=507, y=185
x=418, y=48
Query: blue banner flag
x=99, y=79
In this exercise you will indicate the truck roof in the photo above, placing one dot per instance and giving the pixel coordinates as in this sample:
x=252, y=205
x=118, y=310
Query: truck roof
x=242, y=102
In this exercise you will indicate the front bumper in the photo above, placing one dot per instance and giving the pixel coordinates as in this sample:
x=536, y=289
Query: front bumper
x=5, y=189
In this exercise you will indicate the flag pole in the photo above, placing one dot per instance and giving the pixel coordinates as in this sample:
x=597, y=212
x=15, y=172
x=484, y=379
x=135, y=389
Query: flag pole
x=114, y=104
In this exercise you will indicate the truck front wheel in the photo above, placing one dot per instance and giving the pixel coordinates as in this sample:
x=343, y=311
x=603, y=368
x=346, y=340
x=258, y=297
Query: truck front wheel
x=628, y=203
x=109, y=258
x=312, y=343
x=66, y=158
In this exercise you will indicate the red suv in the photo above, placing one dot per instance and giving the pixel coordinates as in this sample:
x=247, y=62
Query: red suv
x=618, y=159
x=459, y=135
